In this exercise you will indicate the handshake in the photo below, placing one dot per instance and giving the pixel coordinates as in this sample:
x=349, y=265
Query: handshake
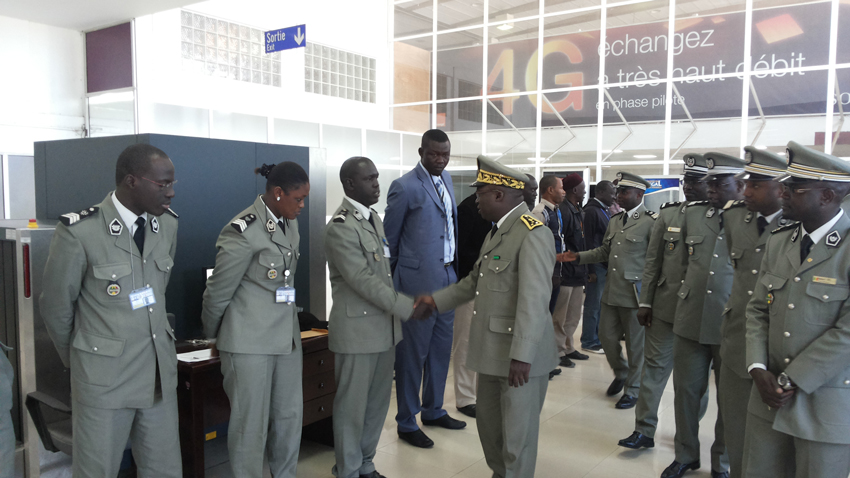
x=423, y=307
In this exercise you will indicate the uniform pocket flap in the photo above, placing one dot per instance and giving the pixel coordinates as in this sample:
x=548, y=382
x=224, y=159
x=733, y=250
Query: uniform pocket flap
x=772, y=282
x=271, y=260
x=498, y=265
x=736, y=253
x=633, y=275
x=694, y=239
x=98, y=344
x=672, y=236
x=165, y=263
x=634, y=238
x=170, y=332
x=683, y=291
x=112, y=272
x=660, y=280
x=502, y=325
x=827, y=293
x=408, y=262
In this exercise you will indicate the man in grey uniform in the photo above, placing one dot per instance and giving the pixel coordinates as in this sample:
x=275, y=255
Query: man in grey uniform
x=624, y=248
x=511, y=344
x=662, y=276
x=103, y=304
x=365, y=320
x=705, y=290
x=798, y=330
x=748, y=224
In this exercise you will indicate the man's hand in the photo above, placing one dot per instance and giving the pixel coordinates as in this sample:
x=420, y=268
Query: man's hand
x=771, y=393
x=213, y=350
x=591, y=277
x=568, y=256
x=518, y=375
x=423, y=307
x=645, y=316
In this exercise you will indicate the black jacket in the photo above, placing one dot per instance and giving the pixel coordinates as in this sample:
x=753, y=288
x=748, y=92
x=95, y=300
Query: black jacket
x=573, y=275
x=595, y=224
x=472, y=230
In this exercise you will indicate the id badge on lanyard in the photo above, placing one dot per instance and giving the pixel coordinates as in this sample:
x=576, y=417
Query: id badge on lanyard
x=142, y=298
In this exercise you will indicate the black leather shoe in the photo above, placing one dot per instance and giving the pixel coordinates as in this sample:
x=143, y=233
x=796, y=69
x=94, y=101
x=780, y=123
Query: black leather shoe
x=552, y=374
x=576, y=355
x=566, y=362
x=636, y=441
x=615, y=387
x=625, y=402
x=446, y=422
x=676, y=469
x=719, y=474
x=374, y=474
x=417, y=438
x=468, y=410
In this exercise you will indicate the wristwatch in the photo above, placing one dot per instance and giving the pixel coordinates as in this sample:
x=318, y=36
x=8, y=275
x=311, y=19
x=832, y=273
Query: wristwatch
x=785, y=382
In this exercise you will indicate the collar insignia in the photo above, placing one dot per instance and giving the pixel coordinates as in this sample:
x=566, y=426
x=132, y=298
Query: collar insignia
x=710, y=212
x=833, y=239
x=154, y=225
x=270, y=226
x=749, y=217
x=357, y=215
x=115, y=227
x=794, y=236
x=636, y=215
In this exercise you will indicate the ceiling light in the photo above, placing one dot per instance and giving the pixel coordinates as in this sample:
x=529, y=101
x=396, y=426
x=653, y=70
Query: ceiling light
x=644, y=156
x=505, y=26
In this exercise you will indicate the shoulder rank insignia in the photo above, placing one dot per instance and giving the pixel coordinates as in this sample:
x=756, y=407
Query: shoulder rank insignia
x=785, y=227
x=530, y=221
x=243, y=222
x=357, y=215
x=733, y=203
x=74, y=217
x=154, y=225
x=652, y=214
x=697, y=203
x=172, y=213
x=833, y=239
x=341, y=216
x=670, y=204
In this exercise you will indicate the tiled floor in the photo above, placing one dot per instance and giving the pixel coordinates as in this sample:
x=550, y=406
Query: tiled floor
x=578, y=438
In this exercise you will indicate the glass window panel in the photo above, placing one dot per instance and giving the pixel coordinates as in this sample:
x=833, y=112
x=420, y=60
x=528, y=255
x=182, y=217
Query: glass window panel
x=239, y=127
x=411, y=18
x=552, y=6
x=797, y=116
x=570, y=51
x=510, y=54
x=459, y=13
x=636, y=42
x=173, y=119
x=560, y=147
x=791, y=36
x=510, y=9
x=340, y=143
x=716, y=107
x=459, y=64
x=383, y=147
x=609, y=172
x=517, y=145
x=575, y=141
x=708, y=39
x=111, y=119
x=412, y=70
x=843, y=51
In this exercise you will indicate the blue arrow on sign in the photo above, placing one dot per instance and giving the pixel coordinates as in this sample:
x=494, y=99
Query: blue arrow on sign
x=286, y=38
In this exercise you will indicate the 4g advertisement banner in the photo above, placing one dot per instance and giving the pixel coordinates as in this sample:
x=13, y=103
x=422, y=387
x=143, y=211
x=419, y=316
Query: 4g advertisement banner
x=784, y=37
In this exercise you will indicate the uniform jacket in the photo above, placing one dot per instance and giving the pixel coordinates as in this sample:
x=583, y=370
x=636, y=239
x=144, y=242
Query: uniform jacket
x=708, y=279
x=472, y=230
x=624, y=248
x=511, y=284
x=112, y=350
x=239, y=309
x=665, y=264
x=415, y=223
x=746, y=249
x=798, y=322
x=573, y=275
x=596, y=219
x=367, y=312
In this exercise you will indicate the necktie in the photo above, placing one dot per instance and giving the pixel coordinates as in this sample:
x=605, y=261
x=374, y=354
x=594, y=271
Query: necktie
x=139, y=235
x=805, y=247
x=372, y=222
x=493, y=231
x=762, y=224
x=447, y=205
x=625, y=218
x=282, y=226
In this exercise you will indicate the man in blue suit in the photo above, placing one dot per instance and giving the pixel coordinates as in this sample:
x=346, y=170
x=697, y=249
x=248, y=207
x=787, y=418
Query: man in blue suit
x=421, y=227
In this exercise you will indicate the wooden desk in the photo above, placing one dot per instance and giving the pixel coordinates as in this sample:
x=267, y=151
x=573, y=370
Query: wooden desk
x=204, y=408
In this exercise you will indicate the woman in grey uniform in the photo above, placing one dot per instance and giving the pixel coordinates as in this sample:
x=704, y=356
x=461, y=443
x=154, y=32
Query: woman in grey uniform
x=249, y=308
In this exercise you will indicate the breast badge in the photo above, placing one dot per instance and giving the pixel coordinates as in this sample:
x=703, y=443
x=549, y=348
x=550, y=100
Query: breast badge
x=272, y=274
x=113, y=289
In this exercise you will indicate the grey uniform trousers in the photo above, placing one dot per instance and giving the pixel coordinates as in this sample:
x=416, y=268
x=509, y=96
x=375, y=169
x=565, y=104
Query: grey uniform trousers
x=508, y=421
x=566, y=316
x=614, y=322
x=692, y=367
x=100, y=437
x=364, y=385
x=733, y=396
x=465, y=379
x=266, y=412
x=772, y=454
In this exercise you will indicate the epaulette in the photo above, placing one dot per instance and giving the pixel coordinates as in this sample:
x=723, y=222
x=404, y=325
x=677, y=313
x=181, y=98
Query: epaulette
x=697, y=203
x=652, y=214
x=731, y=204
x=670, y=204
x=172, y=213
x=74, y=217
x=785, y=227
x=341, y=216
x=243, y=222
x=530, y=221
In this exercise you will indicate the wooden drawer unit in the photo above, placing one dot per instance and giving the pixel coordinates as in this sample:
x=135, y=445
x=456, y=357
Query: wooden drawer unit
x=318, y=385
x=318, y=362
x=318, y=409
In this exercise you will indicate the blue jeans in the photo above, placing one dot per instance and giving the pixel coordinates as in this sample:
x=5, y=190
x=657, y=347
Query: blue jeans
x=592, y=306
